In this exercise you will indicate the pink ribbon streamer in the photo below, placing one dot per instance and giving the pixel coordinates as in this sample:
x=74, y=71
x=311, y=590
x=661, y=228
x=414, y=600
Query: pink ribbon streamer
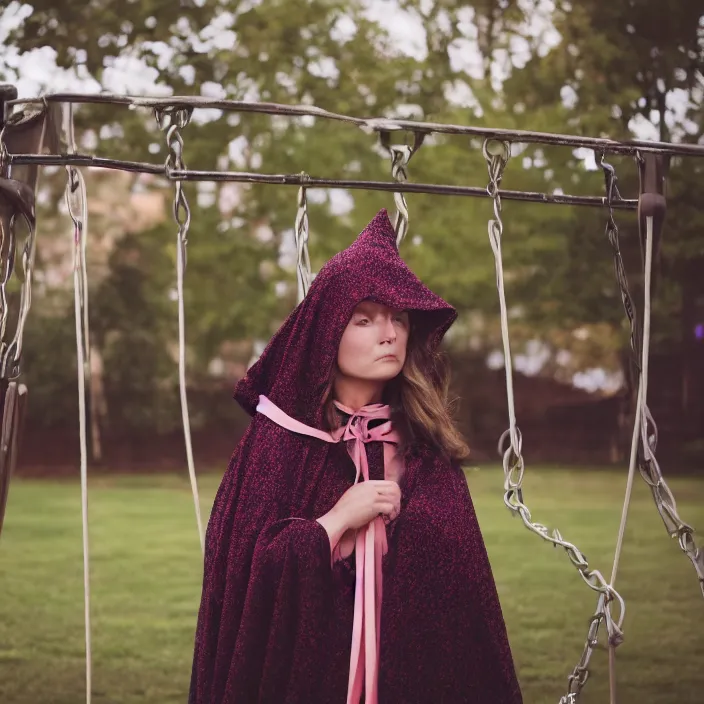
x=370, y=544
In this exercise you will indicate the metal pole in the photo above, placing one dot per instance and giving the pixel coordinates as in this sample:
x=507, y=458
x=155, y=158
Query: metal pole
x=378, y=124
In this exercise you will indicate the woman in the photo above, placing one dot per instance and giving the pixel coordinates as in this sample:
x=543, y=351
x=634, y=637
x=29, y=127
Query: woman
x=344, y=562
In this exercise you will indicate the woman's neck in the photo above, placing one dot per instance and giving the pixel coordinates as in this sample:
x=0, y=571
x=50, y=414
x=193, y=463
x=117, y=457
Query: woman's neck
x=357, y=393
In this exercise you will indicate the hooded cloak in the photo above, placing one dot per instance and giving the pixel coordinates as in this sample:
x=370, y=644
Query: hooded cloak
x=275, y=624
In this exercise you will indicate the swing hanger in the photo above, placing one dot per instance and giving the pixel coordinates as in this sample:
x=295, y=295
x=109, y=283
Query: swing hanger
x=652, y=173
x=401, y=154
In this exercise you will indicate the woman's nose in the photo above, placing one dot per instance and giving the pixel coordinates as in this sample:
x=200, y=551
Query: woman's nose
x=388, y=330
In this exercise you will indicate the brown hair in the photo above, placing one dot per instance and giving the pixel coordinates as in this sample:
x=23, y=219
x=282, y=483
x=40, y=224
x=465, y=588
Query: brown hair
x=420, y=404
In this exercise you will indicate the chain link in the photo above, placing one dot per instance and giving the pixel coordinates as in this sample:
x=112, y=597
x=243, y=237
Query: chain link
x=400, y=156
x=303, y=269
x=497, y=155
x=647, y=462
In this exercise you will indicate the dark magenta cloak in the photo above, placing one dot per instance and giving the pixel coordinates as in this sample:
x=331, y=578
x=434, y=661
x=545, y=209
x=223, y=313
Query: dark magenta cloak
x=276, y=614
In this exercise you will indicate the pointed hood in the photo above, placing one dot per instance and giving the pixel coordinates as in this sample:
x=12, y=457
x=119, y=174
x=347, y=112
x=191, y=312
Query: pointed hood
x=295, y=367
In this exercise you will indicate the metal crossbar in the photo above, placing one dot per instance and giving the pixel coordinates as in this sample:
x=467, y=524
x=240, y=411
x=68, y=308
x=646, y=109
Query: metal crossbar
x=375, y=124
x=303, y=180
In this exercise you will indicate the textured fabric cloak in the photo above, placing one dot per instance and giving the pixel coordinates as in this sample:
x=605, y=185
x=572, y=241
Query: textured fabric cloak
x=276, y=614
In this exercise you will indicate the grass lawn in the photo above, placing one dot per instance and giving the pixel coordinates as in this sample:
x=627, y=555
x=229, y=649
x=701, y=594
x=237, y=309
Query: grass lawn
x=146, y=572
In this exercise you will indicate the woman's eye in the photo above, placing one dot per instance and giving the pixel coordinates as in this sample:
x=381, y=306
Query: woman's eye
x=362, y=321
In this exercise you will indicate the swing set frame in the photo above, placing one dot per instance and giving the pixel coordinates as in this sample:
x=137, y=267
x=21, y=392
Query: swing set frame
x=37, y=119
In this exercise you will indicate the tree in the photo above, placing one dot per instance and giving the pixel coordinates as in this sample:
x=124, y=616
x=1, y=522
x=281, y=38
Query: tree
x=332, y=54
x=620, y=67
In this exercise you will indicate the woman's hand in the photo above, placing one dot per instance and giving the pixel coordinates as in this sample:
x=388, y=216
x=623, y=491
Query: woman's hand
x=364, y=501
x=360, y=505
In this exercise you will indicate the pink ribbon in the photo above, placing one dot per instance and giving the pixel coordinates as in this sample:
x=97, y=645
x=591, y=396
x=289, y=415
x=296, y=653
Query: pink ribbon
x=370, y=544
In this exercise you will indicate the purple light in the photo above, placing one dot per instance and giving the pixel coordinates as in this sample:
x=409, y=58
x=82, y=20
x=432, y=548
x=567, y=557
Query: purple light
x=699, y=331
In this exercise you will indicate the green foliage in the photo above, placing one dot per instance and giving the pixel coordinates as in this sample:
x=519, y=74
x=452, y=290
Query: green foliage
x=132, y=317
x=49, y=367
x=614, y=62
x=228, y=284
x=619, y=65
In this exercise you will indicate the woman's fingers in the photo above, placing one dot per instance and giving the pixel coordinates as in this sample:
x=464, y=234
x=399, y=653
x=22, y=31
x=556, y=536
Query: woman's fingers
x=389, y=508
x=387, y=498
x=395, y=498
x=386, y=507
x=388, y=489
x=383, y=484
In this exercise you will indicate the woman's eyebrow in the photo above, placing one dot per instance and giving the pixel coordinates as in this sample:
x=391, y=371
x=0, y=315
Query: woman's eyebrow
x=364, y=310
x=370, y=311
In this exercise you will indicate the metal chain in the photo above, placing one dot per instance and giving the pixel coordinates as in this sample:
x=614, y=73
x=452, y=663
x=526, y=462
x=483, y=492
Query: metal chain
x=647, y=462
x=400, y=156
x=303, y=269
x=7, y=261
x=10, y=354
x=173, y=120
x=11, y=357
x=17, y=204
x=513, y=462
x=612, y=194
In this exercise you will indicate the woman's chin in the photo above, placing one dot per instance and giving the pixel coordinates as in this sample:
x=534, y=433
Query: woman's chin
x=379, y=372
x=390, y=372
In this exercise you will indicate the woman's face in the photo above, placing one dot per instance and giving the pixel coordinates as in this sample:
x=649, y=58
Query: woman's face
x=373, y=346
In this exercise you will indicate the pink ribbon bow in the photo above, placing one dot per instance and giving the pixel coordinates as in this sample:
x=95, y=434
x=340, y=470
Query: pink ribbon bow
x=370, y=544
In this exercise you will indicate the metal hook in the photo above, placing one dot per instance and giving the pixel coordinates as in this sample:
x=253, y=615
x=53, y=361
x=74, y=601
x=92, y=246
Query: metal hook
x=503, y=153
x=418, y=139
